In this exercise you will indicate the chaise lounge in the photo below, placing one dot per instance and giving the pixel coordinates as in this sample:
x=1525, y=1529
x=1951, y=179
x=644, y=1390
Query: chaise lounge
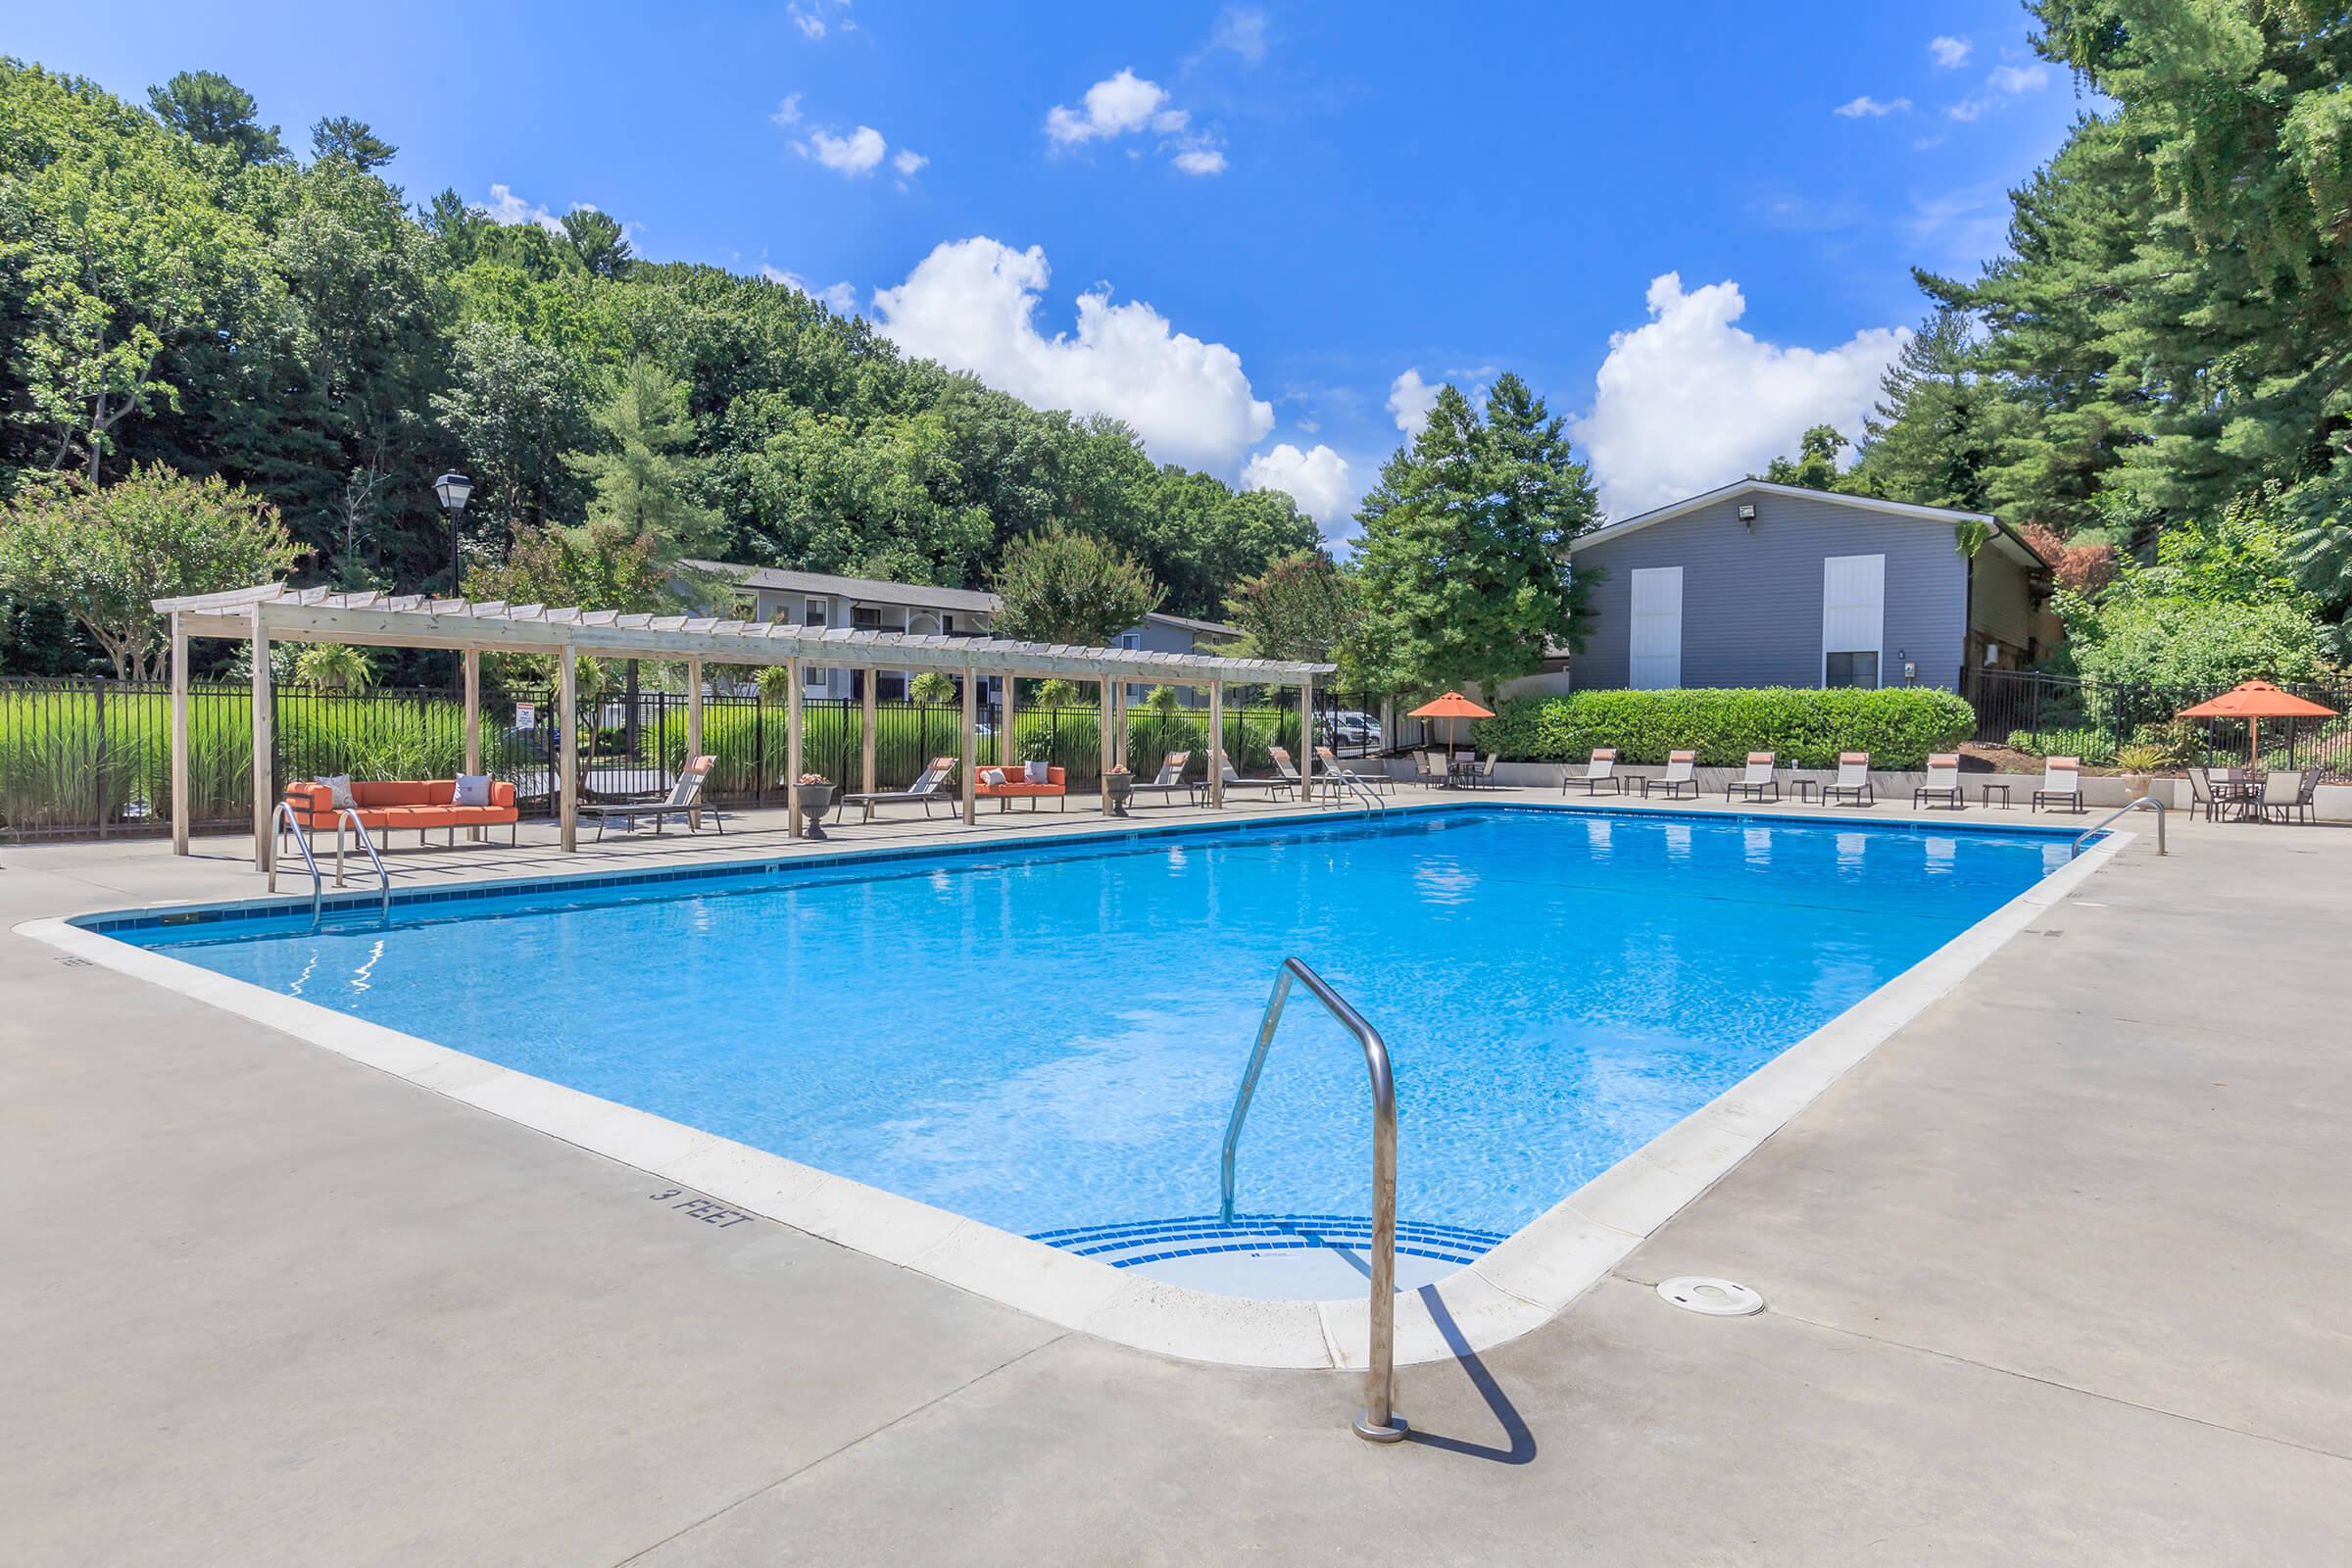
x=1682, y=773
x=1851, y=786
x=1758, y=783
x=1599, y=768
x=929, y=789
x=1170, y=779
x=685, y=798
x=1943, y=782
x=2061, y=783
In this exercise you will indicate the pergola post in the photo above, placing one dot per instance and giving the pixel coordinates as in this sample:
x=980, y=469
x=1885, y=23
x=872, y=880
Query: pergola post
x=179, y=736
x=791, y=746
x=1307, y=741
x=1107, y=749
x=694, y=731
x=1008, y=746
x=865, y=746
x=1119, y=725
x=264, y=743
x=567, y=753
x=970, y=754
x=1217, y=744
x=472, y=661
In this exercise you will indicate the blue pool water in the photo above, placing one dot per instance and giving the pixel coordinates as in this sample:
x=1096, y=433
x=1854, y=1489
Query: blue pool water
x=1048, y=1037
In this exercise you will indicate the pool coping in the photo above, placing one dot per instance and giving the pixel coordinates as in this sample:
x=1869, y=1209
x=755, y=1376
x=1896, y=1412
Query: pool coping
x=1529, y=1278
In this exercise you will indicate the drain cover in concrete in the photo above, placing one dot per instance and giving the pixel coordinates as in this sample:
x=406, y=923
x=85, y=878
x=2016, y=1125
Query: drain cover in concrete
x=1715, y=1297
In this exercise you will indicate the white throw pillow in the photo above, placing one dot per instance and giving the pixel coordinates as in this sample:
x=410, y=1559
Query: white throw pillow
x=991, y=776
x=473, y=789
x=1034, y=772
x=338, y=787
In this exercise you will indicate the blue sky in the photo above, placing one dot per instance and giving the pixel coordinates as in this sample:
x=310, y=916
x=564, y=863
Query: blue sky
x=1258, y=232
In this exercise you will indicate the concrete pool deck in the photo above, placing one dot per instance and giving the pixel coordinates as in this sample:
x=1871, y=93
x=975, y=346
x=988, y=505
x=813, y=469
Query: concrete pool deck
x=2052, y=1275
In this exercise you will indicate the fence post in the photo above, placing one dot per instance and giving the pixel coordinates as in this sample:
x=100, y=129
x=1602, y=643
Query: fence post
x=2035, y=723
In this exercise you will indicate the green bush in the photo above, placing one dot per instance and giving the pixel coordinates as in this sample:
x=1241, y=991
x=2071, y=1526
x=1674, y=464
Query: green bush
x=2092, y=746
x=1899, y=726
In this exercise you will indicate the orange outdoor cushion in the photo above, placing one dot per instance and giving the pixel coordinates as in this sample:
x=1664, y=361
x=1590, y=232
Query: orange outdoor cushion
x=1014, y=784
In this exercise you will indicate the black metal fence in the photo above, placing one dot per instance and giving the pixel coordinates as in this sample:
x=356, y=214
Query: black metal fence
x=88, y=757
x=2052, y=715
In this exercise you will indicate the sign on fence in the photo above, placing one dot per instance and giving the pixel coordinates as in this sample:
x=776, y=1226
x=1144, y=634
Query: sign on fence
x=527, y=716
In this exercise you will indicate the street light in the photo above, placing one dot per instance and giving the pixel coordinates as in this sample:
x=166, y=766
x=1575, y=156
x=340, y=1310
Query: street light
x=453, y=489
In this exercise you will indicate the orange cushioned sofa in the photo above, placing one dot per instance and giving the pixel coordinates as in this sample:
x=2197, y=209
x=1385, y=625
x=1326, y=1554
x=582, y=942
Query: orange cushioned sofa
x=388, y=804
x=1016, y=788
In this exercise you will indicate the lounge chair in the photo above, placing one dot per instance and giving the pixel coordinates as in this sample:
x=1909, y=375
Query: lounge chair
x=2061, y=783
x=685, y=798
x=1943, y=781
x=1378, y=783
x=929, y=789
x=1287, y=769
x=1274, y=787
x=1852, y=783
x=1599, y=768
x=2282, y=793
x=1682, y=773
x=1171, y=777
x=1757, y=780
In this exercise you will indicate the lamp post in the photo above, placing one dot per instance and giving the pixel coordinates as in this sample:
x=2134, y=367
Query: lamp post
x=453, y=489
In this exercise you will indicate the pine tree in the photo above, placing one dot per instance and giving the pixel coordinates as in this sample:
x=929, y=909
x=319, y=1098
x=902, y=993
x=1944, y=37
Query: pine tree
x=647, y=482
x=1929, y=441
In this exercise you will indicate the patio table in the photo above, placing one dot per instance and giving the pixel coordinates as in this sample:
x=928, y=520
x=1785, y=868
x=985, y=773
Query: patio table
x=2241, y=796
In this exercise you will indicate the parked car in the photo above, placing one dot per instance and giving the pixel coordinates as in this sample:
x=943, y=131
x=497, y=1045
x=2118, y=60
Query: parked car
x=1354, y=731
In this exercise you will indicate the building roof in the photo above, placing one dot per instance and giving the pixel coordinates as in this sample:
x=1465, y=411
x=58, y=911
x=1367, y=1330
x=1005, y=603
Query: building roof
x=416, y=621
x=919, y=596
x=2002, y=535
x=1206, y=628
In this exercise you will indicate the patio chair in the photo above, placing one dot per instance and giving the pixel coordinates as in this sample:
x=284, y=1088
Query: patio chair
x=1599, y=768
x=1170, y=780
x=1378, y=783
x=1275, y=788
x=685, y=798
x=2061, y=783
x=1943, y=781
x=1482, y=775
x=1682, y=773
x=1430, y=770
x=2282, y=792
x=2309, y=793
x=1758, y=778
x=2200, y=792
x=1852, y=787
x=929, y=789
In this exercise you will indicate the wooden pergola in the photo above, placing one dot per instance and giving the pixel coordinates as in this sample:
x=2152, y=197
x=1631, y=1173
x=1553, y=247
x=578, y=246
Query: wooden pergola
x=273, y=612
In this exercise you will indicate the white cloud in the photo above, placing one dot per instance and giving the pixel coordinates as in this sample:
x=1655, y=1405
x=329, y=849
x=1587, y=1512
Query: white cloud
x=1868, y=107
x=508, y=209
x=1411, y=399
x=908, y=161
x=816, y=18
x=972, y=305
x=1968, y=109
x=840, y=298
x=1114, y=107
x=1689, y=402
x=1317, y=480
x=2019, y=78
x=854, y=156
x=1202, y=160
x=788, y=110
x=1950, y=53
x=1241, y=31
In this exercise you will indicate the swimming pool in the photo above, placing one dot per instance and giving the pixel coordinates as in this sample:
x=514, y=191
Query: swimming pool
x=1047, y=1038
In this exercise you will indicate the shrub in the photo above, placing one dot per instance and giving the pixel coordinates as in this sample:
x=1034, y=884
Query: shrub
x=2095, y=745
x=1899, y=726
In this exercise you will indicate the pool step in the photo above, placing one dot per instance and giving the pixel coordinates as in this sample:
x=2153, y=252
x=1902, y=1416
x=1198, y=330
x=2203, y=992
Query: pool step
x=1126, y=1245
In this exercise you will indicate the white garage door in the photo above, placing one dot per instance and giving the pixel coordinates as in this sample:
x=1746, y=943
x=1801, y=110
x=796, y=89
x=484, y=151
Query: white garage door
x=1657, y=629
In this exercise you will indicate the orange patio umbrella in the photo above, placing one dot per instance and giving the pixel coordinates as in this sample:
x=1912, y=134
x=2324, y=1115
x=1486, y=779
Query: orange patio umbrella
x=2255, y=700
x=1453, y=704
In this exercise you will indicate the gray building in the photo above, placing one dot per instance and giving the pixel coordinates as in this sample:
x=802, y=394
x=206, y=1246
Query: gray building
x=1760, y=584
x=821, y=599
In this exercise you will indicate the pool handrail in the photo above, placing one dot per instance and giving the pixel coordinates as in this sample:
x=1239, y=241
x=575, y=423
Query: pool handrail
x=360, y=830
x=2148, y=801
x=302, y=841
x=1378, y=1421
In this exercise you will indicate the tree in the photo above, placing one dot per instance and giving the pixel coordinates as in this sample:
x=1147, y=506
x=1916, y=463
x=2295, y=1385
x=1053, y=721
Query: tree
x=212, y=111
x=354, y=141
x=1931, y=440
x=105, y=554
x=1814, y=467
x=1058, y=586
x=517, y=410
x=932, y=688
x=1301, y=607
x=598, y=240
x=646, y=479
x=598, y=567
x=1463, y=562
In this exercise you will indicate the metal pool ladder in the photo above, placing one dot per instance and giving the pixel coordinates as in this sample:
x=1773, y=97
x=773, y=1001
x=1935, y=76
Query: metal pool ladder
x=1378, y=1421
x=2149, y=801
x=284, y=813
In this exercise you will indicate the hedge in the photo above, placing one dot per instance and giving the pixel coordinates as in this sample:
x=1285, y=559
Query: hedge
x=1899, y=726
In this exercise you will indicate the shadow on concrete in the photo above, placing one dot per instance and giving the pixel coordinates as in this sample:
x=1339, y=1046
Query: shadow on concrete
x=1522, y=1450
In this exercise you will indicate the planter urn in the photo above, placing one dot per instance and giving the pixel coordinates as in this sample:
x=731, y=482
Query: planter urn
x=1122, y=789
x=813, y=801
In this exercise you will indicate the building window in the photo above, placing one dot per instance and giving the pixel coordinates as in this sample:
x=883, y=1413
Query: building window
x=1852, y=670
x=865, y=617
x=1131, y=639
x=890, y=686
